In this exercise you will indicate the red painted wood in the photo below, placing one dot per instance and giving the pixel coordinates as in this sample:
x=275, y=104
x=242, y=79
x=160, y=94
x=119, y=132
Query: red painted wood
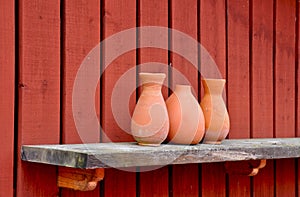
x=298, y=96
x=184, y=18
x=262, y=87
x=213, y=33
x=7, y=89
x=284, y=91
x=154, y=182
x=238, y=83
x=39, y=91
x=118, y=16
x=213, y=39
x=154, y=13
x=185, y=180
x=213, y=179
x=81, y=33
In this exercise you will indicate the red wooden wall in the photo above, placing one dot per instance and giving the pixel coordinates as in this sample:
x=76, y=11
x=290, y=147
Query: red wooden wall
x=255, y=44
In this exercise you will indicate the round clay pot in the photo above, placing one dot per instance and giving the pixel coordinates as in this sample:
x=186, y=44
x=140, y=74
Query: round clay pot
x=215, y=113
x=186, y=117
x=150, y=121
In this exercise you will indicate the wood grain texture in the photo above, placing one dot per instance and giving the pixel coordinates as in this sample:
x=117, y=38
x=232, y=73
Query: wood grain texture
x=39, y=91
x=81, y=33
x=262, y=87
x=238, y=83
x=213, y=39
x=285, y=90
x=7, y=95
x=185, y=181
x=153, y=13
x=129, y=154
x=118, y=16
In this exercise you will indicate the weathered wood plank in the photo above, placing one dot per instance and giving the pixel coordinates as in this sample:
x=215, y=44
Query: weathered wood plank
x=238, y=23
x=117, y=17
x=262, y=87
x=285, y=14
x=7, y=90
x=298, y=83
x=81, y=33
x=153, y=13
x=39, y=91
x=213, y=39
x=184, y=18
x=119, y=155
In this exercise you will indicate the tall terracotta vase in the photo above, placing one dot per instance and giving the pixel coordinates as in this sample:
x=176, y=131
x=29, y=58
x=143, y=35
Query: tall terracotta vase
x=150, y=121
x=186, y=117
x=215, y=112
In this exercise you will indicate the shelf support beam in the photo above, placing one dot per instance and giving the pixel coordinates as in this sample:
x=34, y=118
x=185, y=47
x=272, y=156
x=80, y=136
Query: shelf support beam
x=79, y=179
x=246, y=168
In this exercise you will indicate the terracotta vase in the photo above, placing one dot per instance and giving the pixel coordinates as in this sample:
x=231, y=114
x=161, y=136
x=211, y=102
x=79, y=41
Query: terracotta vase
x=150, y=121
x=215, y=112
x=186, y=117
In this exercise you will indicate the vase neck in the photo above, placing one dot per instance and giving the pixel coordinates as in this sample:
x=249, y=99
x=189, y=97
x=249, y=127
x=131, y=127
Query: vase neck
x=152, y=86
x=150, y=78
x=213, y=86
x=183, y=88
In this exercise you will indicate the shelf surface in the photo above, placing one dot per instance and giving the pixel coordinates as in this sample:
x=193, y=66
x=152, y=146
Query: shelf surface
x=122, y=155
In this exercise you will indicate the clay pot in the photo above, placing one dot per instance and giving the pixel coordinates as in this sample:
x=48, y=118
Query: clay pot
x=150, y=121
x=186, y=117
x=215, y=112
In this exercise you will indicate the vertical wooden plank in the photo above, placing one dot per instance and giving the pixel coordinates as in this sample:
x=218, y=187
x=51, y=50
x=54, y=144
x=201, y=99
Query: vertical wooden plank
x=184, y=18
x=154, y=183
x=39, y=91
x=285, y=90
x=118, y=16
x=81, y=33
x=213, y=39
x=262, y=87
x=298, y=85
x=7, y=90
x=238, y=83
x=154, y=13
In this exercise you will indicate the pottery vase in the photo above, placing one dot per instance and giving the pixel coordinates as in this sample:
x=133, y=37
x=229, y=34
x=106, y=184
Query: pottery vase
x=215, y=113
x=150, y=121
x=186, y=117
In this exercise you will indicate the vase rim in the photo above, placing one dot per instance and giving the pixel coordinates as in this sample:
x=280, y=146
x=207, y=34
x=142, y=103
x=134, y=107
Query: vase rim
x=213, y=79
x=152, y=74
x=152, y=78
x=183, y=85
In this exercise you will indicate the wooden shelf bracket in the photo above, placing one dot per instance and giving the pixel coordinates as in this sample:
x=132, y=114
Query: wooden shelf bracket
x=248, y=168
x=79, y=179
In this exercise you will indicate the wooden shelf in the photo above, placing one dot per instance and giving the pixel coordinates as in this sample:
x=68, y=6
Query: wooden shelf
x=120, y=155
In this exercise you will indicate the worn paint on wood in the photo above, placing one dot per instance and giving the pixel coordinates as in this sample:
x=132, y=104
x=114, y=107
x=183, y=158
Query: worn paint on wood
x=213, y=39
x=284, y=90
x=153, y=13
x=7, y=93
x=39, y=91
x=81, y=33
x=118, y=16
x=184, y=18
x=238, y=82
x=262, y=87
x=129, y=154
